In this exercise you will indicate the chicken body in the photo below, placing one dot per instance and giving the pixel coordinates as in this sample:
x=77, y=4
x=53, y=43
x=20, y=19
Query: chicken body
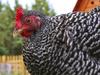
x=67, y=44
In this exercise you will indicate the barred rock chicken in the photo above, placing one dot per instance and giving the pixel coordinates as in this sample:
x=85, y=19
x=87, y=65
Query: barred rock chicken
x=67, y=44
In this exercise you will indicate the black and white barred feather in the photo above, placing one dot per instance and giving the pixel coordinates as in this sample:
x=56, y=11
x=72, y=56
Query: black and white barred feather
x=68, y=44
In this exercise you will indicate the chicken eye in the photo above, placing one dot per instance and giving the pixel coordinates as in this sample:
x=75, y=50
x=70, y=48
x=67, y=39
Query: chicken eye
x=28, y=20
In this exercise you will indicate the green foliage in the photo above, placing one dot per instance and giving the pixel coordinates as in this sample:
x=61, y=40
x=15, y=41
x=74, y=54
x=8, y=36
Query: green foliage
x=9, y=45
x=42, y=5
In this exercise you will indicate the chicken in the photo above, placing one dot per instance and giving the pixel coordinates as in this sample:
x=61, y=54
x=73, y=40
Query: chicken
x=67, y=44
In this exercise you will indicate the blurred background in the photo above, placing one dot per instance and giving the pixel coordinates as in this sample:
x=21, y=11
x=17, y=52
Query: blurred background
x=11, y=60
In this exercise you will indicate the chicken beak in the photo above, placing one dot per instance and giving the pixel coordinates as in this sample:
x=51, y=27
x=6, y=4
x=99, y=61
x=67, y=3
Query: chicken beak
x=17, y=32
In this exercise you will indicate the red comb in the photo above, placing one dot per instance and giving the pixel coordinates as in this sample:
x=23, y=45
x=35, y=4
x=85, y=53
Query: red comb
x=19, y=14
